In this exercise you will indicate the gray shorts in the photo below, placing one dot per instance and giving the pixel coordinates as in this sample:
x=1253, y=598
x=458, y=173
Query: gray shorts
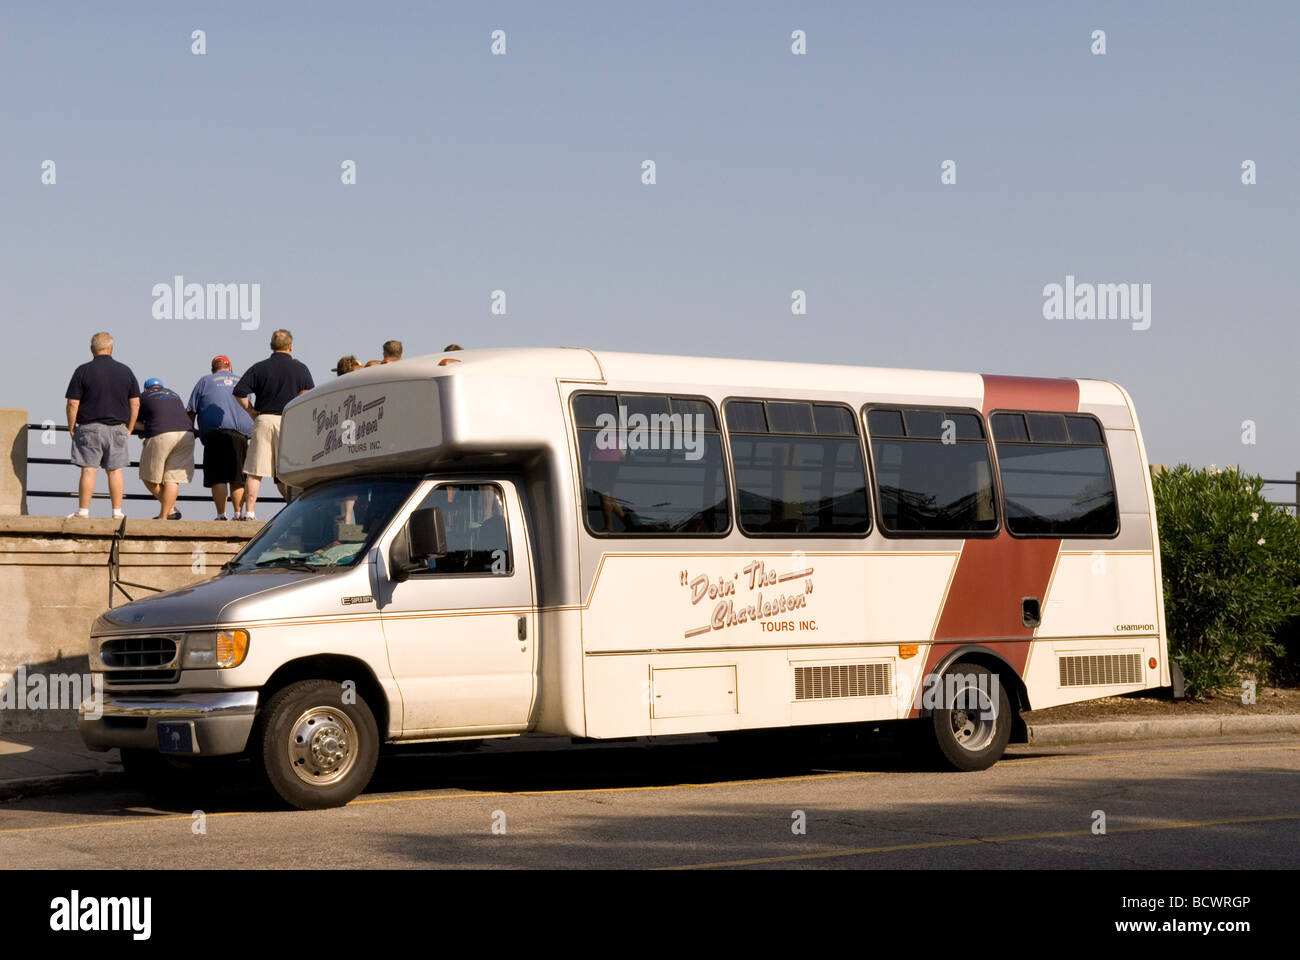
x=100, y=445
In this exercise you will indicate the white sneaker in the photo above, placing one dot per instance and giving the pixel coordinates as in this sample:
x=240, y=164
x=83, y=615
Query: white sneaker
x=119, y=515
x=85, y=514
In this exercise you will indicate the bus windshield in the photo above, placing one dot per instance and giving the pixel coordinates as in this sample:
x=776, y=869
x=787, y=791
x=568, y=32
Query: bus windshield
x=330, y=526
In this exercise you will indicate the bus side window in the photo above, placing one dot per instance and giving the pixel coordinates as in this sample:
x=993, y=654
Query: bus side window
x=651, y=465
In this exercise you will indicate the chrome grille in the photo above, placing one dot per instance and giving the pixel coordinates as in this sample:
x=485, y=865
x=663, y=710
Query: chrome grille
x=1100, y=669
x=127, y=653
x=835, y=681
x=139, y=660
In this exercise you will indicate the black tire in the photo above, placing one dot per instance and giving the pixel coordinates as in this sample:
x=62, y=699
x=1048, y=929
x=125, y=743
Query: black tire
x=314, y=750
x=967, y=738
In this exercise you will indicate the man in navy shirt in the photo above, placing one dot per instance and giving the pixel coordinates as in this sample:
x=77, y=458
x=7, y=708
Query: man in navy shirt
x=167, y=460
x=274, y=382
x=103, y=403
x=224, y=427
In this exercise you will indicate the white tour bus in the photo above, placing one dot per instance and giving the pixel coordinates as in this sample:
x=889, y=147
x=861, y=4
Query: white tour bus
x=604, y=545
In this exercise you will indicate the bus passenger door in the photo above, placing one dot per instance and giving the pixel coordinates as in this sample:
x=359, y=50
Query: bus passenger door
x=462, y=634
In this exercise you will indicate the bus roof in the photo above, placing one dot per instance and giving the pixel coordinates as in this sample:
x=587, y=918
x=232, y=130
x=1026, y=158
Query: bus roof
x=398, y=415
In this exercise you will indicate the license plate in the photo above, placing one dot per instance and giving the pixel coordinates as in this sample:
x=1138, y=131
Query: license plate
x=176, y=737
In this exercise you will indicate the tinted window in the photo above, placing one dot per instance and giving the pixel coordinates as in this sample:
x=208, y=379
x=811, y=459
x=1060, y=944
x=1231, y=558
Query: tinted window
x=790, y=417
x=924, y=423
x=697, y=408
x=804, y=478
x=474, y=517
x=933, y=470
x=746, y=415
x=651, y=465
x=886, y=423
x=1009, y=426
x=588, y=408
x=833, y=421
x=647, y=406
x=1057, y=483
x=964, y=426
x=1084, y=430
x=1047, y=428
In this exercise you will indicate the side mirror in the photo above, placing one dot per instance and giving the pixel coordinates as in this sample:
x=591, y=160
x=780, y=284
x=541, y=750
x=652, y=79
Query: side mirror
x=427, y=533
x=423, y=537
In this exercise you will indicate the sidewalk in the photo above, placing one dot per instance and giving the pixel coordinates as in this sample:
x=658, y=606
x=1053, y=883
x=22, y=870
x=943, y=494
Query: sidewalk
x=34, y=763
x=42, y=761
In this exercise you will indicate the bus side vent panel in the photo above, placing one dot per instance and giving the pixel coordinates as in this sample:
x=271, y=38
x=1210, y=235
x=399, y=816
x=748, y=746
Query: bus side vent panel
x=1100, y=669
x=836, y=681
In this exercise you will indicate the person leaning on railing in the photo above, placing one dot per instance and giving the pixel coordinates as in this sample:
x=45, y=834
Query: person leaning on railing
x=224, y=428
x=103, y=404
x=167, y=460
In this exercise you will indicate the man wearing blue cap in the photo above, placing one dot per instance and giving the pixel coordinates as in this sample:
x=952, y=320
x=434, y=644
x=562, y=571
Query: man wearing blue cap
x=168, y=456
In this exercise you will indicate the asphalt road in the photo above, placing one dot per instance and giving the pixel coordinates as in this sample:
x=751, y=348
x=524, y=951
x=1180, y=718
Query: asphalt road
x=1218, y=804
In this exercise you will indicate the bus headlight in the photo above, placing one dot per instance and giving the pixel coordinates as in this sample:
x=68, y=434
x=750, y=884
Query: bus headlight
x=215, y=648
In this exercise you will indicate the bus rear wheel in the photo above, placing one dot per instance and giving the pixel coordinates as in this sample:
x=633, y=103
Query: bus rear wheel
x=973, y=724
x=318, y=748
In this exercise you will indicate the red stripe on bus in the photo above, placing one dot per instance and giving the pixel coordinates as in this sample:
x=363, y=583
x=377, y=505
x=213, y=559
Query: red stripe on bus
x=993, y=576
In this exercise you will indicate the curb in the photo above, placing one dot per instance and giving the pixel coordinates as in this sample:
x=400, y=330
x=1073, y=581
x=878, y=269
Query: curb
x=54, y=783
x=1108, y=731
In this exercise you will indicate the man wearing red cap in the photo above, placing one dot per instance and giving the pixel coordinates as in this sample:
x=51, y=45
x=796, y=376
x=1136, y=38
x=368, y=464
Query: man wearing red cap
x=224, y=427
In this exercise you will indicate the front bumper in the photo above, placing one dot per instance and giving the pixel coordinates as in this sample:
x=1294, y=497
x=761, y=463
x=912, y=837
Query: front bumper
x=221, y=721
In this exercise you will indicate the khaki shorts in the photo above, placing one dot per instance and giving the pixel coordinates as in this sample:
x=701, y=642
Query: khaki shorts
x=168, y=458
x=264, y=446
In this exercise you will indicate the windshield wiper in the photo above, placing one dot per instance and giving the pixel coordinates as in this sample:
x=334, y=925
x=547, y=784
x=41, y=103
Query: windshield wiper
x=290, y=563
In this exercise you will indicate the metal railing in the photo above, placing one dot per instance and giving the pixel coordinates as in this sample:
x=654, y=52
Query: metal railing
x=67, y=461
x=1294, y=504
x=115, y=581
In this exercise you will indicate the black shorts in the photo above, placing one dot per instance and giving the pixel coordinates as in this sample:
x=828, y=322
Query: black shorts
x=223, y=457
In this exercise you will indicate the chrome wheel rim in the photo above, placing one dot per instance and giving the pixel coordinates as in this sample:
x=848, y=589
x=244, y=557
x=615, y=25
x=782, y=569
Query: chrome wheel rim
x=322, y=746
x=974, y=727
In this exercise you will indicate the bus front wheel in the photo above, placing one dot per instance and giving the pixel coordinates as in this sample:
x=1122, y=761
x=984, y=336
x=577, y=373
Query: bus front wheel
x=318, y=744
x=972, y=723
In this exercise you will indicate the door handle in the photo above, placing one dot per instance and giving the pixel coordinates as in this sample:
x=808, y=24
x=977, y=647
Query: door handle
x=1031, y=613
x=523, y=628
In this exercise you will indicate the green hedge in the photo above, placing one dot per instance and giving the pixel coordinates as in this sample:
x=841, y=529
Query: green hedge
x=1231, y=565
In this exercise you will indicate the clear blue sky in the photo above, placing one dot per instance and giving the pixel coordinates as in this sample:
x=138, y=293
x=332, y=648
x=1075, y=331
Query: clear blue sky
x=775, y=172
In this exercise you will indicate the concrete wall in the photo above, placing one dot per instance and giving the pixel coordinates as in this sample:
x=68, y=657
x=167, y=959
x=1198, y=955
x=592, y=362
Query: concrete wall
x=54, y=581
x=13, y=462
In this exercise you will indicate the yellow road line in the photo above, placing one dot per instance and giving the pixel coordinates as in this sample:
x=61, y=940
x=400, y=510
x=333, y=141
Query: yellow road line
x=973, y=841
x=1013, y=761
x=125, y=823
x=658, y=786
x=463, y=796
